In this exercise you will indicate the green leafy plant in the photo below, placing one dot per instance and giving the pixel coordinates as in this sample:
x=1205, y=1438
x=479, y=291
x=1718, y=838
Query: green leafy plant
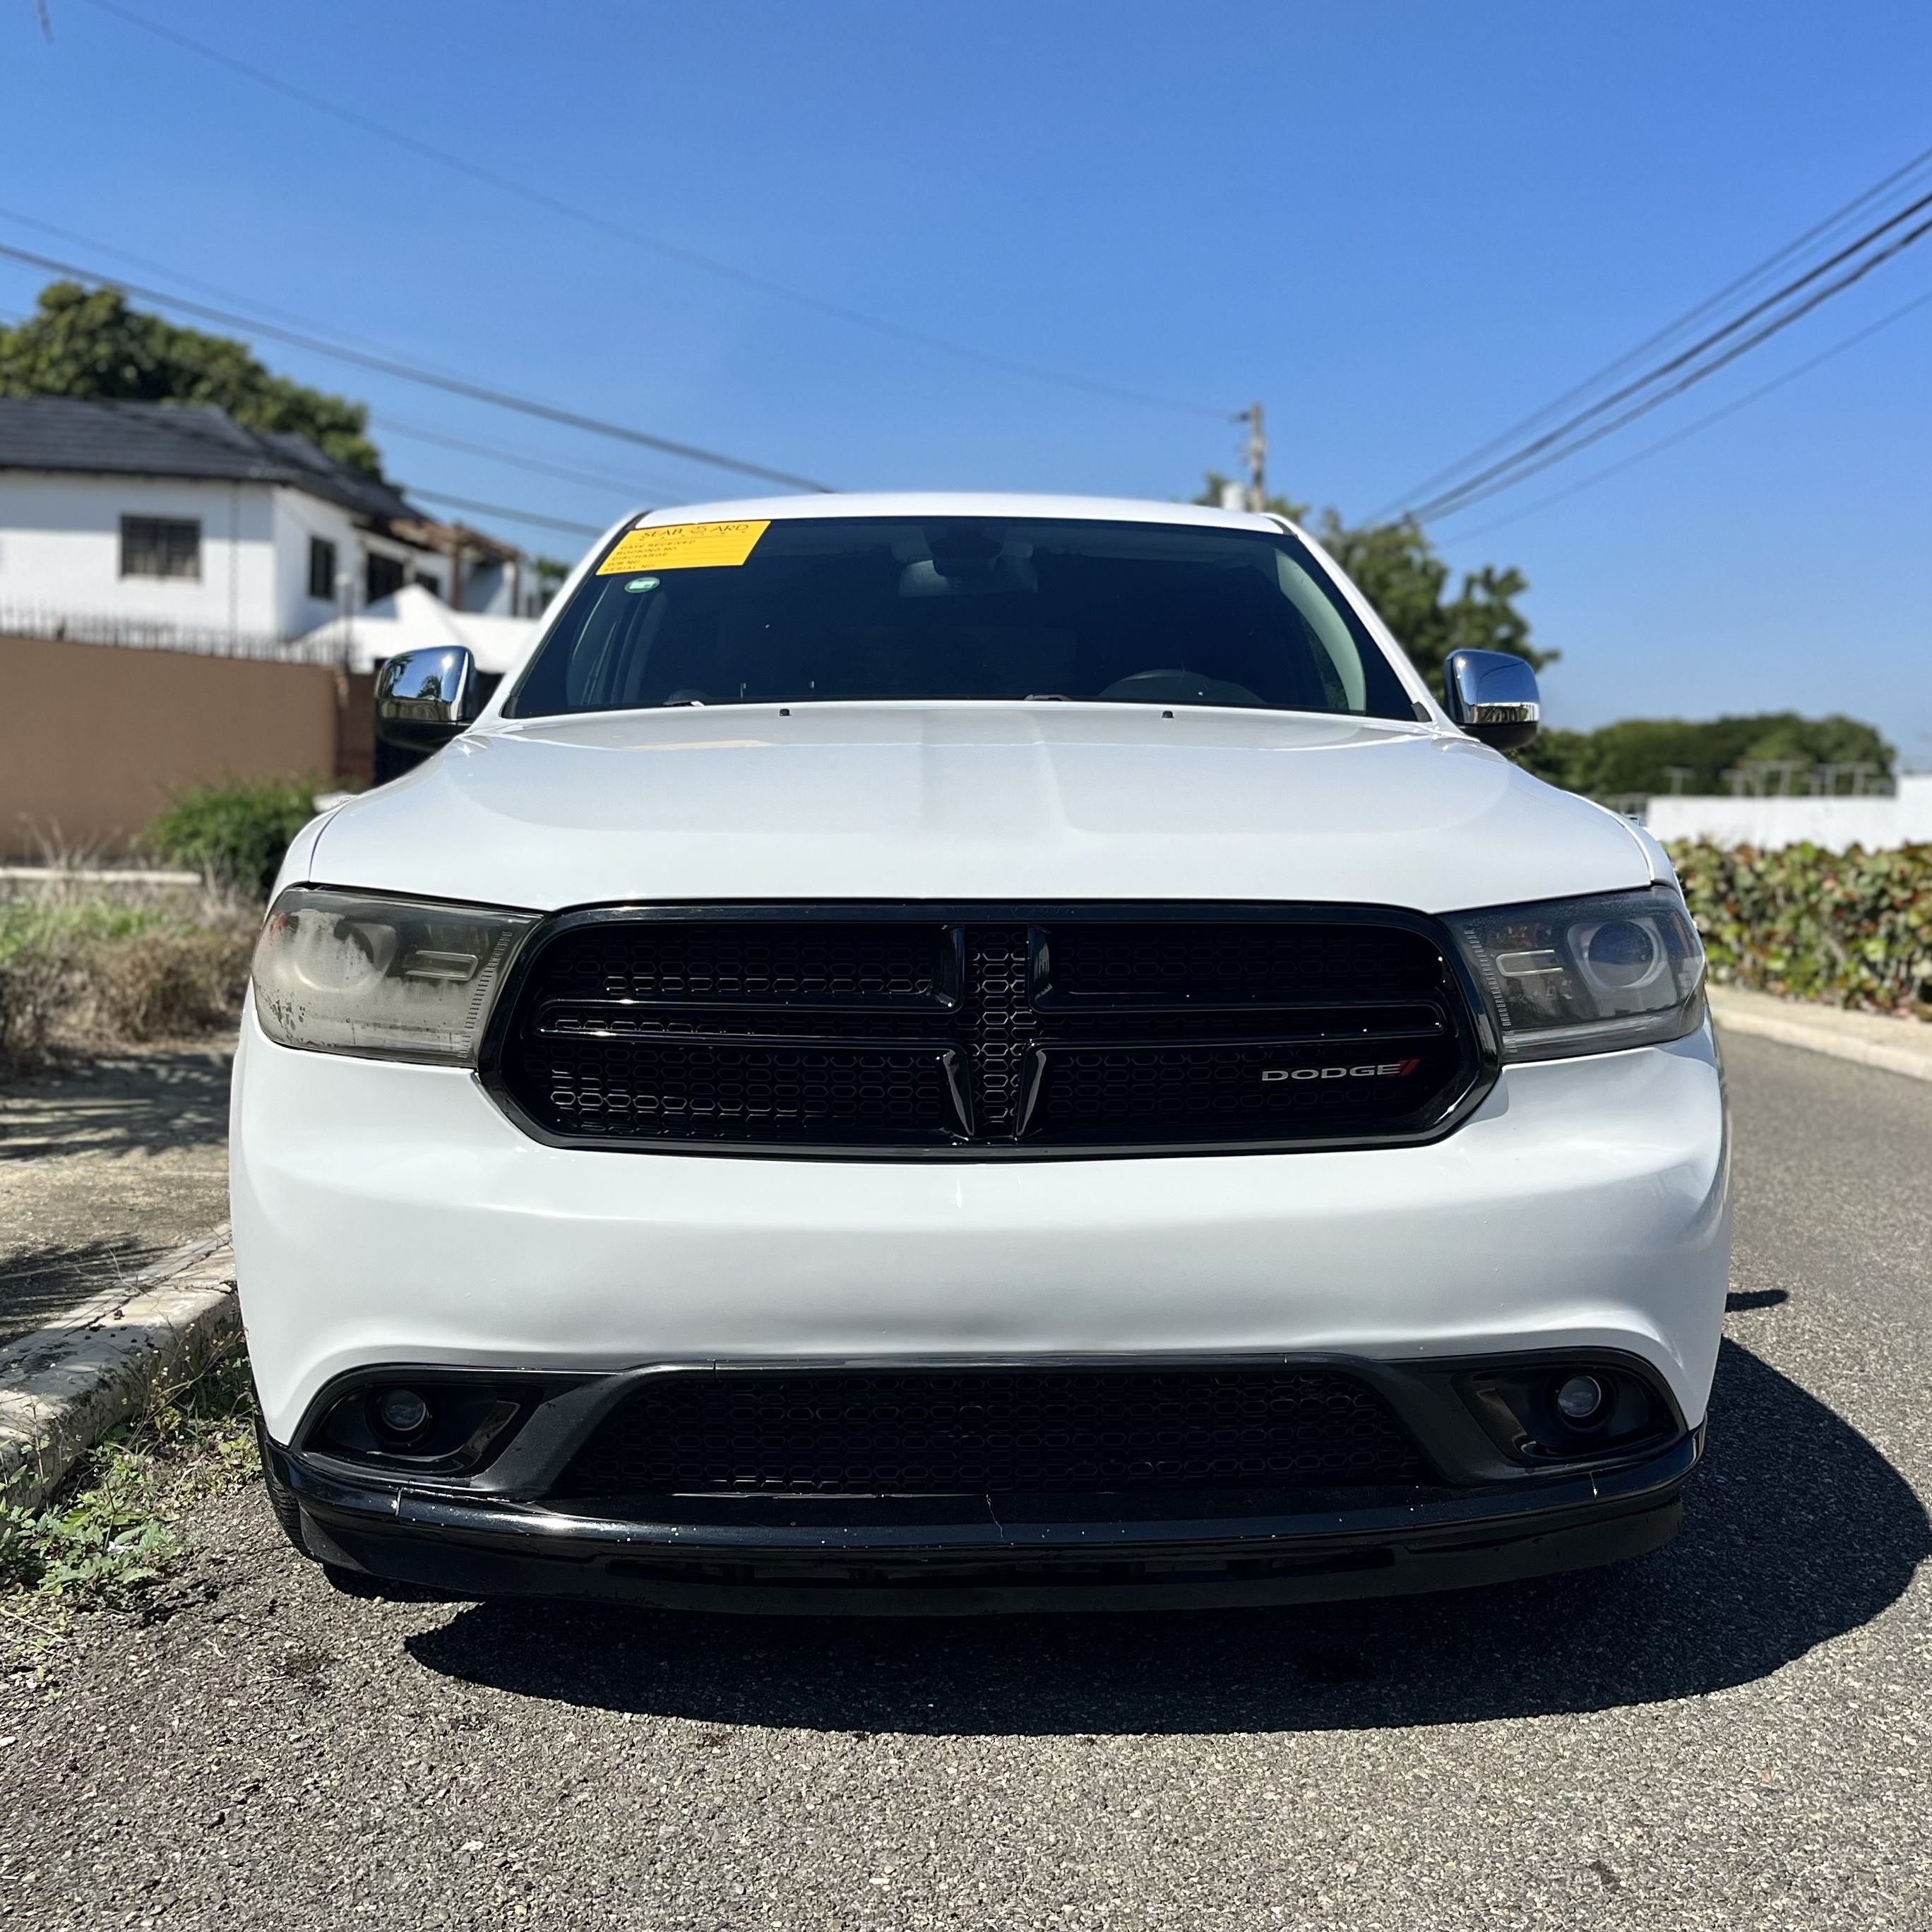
x=1396, y=567
x=1659, y=754
x=234, y=833
x=88, y=342
x=1849, y=928
x=115, y=1532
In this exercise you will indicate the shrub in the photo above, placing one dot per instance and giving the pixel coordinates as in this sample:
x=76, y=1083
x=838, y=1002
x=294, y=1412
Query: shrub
x=234, y=833
x=89, y=974
x=182, y=979
x=1850, y=928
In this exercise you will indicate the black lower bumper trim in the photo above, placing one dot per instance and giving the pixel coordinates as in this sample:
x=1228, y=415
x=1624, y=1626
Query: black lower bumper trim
x=469, y=1547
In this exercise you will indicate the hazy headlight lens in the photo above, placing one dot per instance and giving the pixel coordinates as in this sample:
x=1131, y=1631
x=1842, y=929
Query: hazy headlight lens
x=1588, y=976
x=396, y=979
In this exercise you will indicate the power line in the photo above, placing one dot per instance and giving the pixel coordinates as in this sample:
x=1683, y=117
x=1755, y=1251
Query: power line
x=1689, y=366
x=671, y=250
x=499, y=510
x=385, y=365
x=1471, y=489
x=186, y=281
x=1520, y=467
x=628, y=487
x=1704, y=422
x=1671, y=330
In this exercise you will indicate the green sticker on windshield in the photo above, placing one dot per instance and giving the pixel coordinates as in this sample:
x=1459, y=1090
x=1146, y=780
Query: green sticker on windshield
x=642, y=583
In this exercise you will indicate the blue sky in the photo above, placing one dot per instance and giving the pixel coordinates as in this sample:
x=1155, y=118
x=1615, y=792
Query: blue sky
x=1402, y=226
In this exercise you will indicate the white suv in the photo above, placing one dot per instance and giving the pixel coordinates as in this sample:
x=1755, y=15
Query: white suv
x=948, y=1052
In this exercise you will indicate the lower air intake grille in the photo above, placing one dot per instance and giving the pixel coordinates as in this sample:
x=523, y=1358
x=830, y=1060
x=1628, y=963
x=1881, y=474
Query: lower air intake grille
x=1015, y=1432
x=984, y=1030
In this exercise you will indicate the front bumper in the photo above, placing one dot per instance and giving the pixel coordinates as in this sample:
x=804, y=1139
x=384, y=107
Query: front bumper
x=947, y=1556
x=386, y=1212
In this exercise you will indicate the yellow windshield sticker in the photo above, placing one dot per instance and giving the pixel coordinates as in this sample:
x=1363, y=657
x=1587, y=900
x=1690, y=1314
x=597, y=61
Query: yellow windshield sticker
x=684, y=546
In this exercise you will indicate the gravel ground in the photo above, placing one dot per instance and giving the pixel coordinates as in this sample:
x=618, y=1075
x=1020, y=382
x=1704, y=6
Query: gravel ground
x=103, y=1168
x=1733, y=1733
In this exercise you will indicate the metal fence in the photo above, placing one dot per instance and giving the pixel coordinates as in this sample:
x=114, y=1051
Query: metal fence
x=146, y=634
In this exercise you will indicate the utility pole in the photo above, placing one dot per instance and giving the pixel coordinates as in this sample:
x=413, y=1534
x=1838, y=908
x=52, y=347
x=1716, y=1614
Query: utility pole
x=1256, y=450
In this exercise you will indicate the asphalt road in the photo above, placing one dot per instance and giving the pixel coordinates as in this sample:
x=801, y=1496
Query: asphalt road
x=1733, y=1733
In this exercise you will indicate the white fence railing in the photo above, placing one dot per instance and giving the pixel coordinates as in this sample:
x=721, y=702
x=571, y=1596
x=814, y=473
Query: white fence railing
x=1878, y=824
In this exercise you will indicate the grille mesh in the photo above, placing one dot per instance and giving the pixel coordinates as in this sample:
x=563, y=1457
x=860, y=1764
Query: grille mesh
x=663, y=959
x=1240, y=962
x=1031, y=1431
x=730, y=1089
x=1004, y=1025
x=1099, y=1092
x=1052, y=1033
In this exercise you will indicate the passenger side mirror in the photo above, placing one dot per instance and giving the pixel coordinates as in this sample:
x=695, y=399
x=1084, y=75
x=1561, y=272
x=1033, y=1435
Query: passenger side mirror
x=1492, y=696
x=425, y=698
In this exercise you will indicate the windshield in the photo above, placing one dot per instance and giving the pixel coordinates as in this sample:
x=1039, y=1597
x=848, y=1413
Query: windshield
x=796, y=610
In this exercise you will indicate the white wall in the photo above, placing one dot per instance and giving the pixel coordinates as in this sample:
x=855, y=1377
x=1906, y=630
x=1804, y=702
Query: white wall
x=60, y=555
x=60, y=550
x=1878, y=824
x=297, y=516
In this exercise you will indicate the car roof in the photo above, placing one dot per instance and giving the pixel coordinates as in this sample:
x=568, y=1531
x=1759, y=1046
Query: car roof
x=889, y=504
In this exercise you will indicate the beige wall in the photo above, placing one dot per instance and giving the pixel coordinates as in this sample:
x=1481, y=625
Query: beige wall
x=92, y=736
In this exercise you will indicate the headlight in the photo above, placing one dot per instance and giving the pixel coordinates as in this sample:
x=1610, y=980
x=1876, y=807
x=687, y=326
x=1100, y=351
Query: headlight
x=392, y=978
x=1587, y=975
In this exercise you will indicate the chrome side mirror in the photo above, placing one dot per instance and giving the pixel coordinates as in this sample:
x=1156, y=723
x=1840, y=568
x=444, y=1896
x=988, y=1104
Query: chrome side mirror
x=1492, y=696
x=425, y=698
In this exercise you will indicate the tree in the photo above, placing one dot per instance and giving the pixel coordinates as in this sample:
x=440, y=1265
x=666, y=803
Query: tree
x=88, y=342
x=1662, y=755
x=1396, y=569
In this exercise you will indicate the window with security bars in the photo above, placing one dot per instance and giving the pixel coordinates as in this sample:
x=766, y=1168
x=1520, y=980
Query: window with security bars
x=322, y=569
x=160, y=547
x=381, y=577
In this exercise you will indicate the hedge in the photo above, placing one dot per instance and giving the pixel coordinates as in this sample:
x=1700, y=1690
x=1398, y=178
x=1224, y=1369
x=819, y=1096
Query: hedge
x=234, y=833
x=1849, y=928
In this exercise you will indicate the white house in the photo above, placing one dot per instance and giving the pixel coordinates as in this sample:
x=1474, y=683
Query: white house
x=153, y=523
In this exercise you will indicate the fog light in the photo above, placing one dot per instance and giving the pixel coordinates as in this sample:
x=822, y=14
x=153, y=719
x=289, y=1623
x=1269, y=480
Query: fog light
x=401, y=1411
x=1580, y=1400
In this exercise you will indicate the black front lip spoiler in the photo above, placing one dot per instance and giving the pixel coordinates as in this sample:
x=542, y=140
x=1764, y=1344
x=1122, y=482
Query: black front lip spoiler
x=790, y=1564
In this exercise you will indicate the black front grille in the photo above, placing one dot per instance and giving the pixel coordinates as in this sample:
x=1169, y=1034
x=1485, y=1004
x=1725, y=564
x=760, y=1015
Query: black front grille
x=1031, y=1031
x=1059, y=1432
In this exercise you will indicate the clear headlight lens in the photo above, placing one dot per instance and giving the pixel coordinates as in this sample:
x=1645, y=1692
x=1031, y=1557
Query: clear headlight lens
x=1587, y=975
x=392, y=978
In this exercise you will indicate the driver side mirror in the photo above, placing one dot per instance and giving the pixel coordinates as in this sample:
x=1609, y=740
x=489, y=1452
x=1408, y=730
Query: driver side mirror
x=1492, y=696
x=425, y=698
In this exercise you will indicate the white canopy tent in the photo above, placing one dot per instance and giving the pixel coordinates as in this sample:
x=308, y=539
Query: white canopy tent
x=413, y=620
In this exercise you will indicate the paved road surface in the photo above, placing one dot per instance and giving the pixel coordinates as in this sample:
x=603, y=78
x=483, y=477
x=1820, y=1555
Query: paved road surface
x=103, y=1168
x=1731, y=1734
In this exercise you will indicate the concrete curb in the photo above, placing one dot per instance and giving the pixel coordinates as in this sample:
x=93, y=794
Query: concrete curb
x=63, y=1388
x=1861, y=1037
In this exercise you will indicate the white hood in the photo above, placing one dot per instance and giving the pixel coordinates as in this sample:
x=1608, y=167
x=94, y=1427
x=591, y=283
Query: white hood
x=970, y=801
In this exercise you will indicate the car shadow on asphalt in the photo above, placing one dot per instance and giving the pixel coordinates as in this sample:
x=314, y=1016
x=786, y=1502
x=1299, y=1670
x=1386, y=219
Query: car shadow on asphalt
x=1797, y=1530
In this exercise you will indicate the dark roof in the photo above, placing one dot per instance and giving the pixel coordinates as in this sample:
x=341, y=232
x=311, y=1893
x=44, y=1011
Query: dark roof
x=173, y=440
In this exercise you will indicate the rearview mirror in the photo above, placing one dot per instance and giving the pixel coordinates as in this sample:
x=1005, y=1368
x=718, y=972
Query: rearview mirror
x=1492, y=696
x=425, y=698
